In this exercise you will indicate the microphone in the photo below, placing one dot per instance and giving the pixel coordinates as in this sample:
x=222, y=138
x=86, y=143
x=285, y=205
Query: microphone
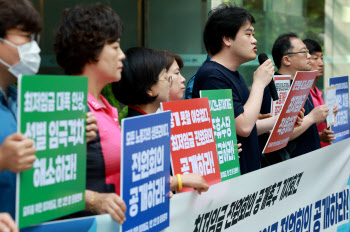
x=262, y=58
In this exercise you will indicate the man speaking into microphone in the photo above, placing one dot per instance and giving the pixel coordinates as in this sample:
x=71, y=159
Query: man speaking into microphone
x=229, y=37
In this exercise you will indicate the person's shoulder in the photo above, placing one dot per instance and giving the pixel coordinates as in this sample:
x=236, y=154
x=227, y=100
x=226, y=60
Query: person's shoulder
x=210, y=69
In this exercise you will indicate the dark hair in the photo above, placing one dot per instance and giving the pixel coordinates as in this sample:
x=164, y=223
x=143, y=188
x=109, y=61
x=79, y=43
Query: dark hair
x=82, y=34
x=312, y=46
x=170, y=57
x=225, y=20
x=281, y=46
x=19, y=14
x=141, y=69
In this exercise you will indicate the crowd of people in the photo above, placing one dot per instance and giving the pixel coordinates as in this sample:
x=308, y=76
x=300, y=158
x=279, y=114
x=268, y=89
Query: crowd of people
x=87, y=43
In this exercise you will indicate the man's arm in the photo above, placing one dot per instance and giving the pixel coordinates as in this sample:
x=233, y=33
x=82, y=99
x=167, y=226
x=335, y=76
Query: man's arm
x=245, y=122
x=266, y=124
x=317, y=115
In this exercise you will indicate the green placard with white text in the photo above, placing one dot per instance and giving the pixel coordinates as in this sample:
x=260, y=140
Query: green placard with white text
x=52, y=112
x=223, y=118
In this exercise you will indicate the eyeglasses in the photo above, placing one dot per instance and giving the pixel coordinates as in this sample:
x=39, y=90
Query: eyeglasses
x=305, y=51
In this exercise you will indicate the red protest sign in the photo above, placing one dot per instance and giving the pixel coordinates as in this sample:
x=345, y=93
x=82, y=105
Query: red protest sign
x=296, y=98
x=193, y=146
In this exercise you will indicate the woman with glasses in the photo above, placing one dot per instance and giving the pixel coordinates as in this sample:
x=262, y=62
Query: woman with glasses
x=144, y=85
x=173, y=67
x=177, y=87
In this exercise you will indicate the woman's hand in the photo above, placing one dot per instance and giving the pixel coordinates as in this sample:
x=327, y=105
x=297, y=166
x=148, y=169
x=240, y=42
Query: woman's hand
x=196, y=181
x=102, y=203
x=91, y=126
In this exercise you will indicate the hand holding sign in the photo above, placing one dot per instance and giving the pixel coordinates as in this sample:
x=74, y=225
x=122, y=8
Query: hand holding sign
x=196, y=181
x=319, y=114
x=327, y=135
x=7, y=223
x=91, y=126
x=191, y=180
x=300, y=118
x=17, y=153
x=239, y=147
x=102, y=203
x=335, y=109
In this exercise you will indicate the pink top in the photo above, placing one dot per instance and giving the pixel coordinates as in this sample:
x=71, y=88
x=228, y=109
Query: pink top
x=317, y=99
x=110, y=138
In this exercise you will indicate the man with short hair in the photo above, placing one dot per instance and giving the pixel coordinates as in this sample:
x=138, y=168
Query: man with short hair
x=229, y=38
x=291, y=55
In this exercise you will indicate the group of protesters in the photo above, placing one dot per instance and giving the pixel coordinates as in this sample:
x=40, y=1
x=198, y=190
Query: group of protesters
x=87, y=43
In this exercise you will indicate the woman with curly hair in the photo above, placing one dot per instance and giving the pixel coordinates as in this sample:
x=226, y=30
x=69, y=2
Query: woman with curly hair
x=88, y=44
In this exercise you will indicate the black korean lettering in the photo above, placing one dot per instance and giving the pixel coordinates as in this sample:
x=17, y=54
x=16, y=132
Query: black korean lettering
x=250, y=204
x=236, y=212
x=298, y=181
x=243, y=208
x=258, y=201
x=229, y=217
x=221, y=218
x=197, y=223
x=214, y=216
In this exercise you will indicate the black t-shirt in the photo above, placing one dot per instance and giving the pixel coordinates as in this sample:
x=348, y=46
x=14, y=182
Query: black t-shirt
x=215, y=76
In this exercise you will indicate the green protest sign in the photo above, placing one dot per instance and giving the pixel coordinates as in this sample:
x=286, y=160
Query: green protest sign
x=52, y=112
x=223, y=119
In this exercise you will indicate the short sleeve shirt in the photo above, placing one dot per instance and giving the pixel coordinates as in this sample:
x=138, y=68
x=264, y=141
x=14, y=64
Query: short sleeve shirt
x=189, y=86
x=213, y=75
x=104, y=152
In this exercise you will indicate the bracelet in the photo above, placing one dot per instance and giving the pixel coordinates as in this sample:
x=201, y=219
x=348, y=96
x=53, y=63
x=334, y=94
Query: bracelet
x=92, y=202
x=179, y=182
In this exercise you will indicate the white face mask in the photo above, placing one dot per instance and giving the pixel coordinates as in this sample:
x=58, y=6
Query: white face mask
x=29, y=59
